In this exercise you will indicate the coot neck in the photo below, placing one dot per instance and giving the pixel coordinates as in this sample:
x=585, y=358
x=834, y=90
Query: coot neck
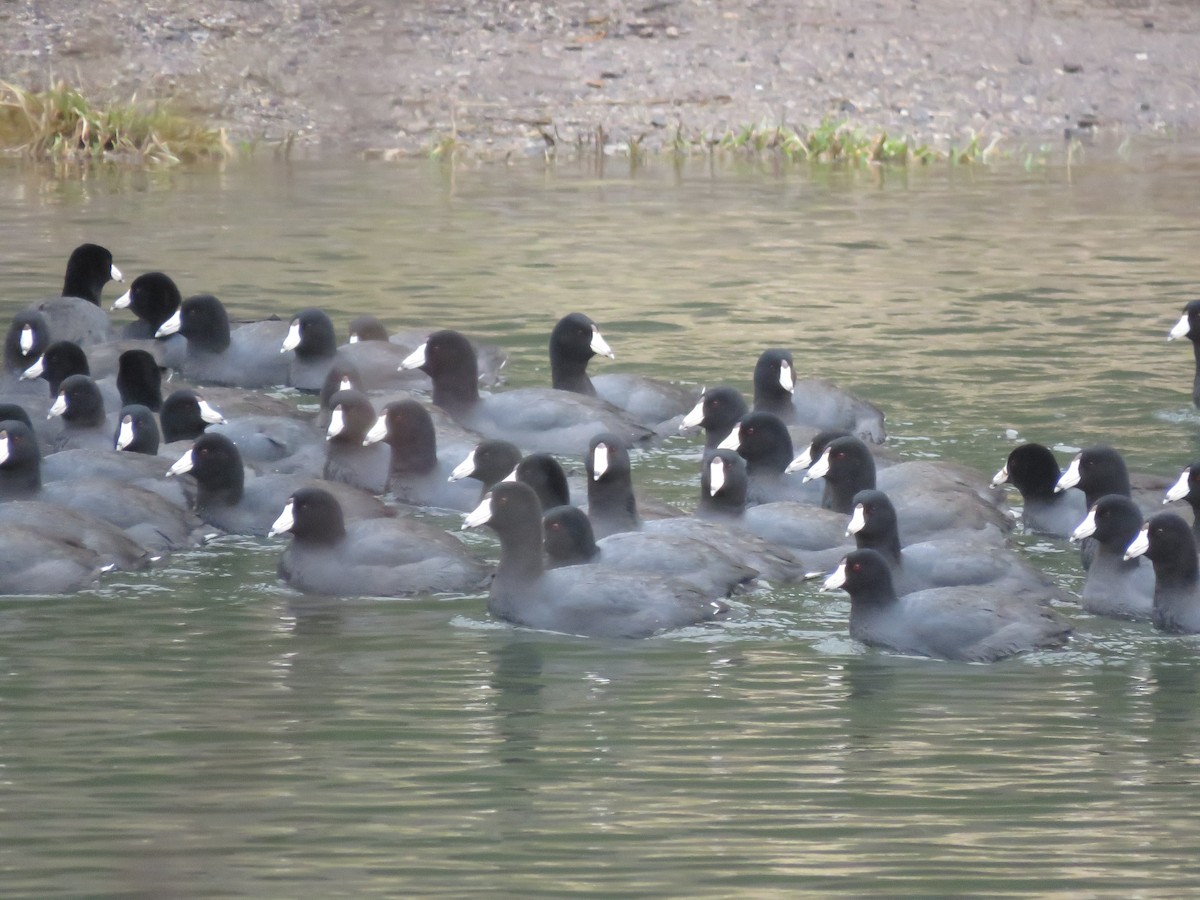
x=223, y=487
x=206, y=324
x=21, y=479
x=1175, y=585
x=137, y=390
x=570, y=374
x=319, y=342
x=85, y=284
x=839, y=493
x=90, y=415
x=414, y=452
x=774, y=400
x=771, y=460
x=521, y=552
x=613, y=502
x=887, y=544
x=873, y=598
x=1196, y=380
x=714, y=436
x=457, y=390
x=1180, y=572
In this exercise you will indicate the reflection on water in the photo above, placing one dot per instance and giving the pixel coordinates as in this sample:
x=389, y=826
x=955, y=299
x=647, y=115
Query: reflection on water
x=202, y=726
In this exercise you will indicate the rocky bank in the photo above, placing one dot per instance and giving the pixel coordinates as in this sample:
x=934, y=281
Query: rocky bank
x=516, y=77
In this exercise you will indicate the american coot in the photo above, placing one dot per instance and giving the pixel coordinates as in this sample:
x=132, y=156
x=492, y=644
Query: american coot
x=488, y=463
x=60, y=361
x=76, y=314
x=138, y=469
x=274, y=443
x=718, y=411
x=244, y=357
x=547, y=477
x=85, y=424
x=1032, y=469
x=113, y=546
x=139, y=379
x=490, y=358
x=416, y=474
x=815, y=536
x=651, y=401
x=721, y=408
x=17, y=413
x=763, y=441
x=148, y=518
x=812, y=401
x=1101, y=470
x=581, y=600
x=27, y=339
x=185, y=415
x=943, y=562
x=342, y=376
x=349, y=457
x=570, y=541
x=153, y=297
x=227, y=499
x=313, y=340
x=532, y=418
x=137, y=430
x=1187, y=488
x=612, y=506
x=1166, y=540
x=924, y=509
x=893, y=474
x=369, y=557
x=1188, y=326
x=1115, y=586
x=977, y=624
x=493, y=461
x=35, y=562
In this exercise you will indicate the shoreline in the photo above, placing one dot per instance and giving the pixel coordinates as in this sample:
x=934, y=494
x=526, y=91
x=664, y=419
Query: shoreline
x=517, y=80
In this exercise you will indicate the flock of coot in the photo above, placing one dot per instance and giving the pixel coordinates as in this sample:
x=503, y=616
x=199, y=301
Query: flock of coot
x=100, y=471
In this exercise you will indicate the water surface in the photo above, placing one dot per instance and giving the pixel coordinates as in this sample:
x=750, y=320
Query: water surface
x=203, y=730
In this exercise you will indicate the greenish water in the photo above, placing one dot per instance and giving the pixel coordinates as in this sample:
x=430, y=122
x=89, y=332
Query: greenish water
x=202, y=730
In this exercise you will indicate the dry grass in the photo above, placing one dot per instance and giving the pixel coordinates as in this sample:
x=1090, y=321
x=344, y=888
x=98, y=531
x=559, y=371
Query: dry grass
x=61, y=125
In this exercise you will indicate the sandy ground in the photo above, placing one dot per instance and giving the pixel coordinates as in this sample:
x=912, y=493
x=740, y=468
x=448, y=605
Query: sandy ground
x=513, y=77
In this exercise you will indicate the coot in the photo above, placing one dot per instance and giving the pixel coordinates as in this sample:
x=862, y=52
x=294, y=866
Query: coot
x=812, y=401
x=533, y=418
x=977, y=624
x=76, y=315
x=580, y=600
x=570, y=541
x=1166, y=540
x=369, y=557
x=1032, y=469
x=216, y=354
x=230, y=500
x=575, y=339
x=1115, y=586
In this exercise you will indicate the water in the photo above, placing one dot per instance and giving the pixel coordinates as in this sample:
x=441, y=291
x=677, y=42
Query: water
x=202, y=730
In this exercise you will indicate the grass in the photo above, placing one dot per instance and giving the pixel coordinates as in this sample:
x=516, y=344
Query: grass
x=830, y=142
x=838, y=142
x=61, y=125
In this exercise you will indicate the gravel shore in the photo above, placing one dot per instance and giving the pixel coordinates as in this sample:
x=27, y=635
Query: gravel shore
x=515, y=77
